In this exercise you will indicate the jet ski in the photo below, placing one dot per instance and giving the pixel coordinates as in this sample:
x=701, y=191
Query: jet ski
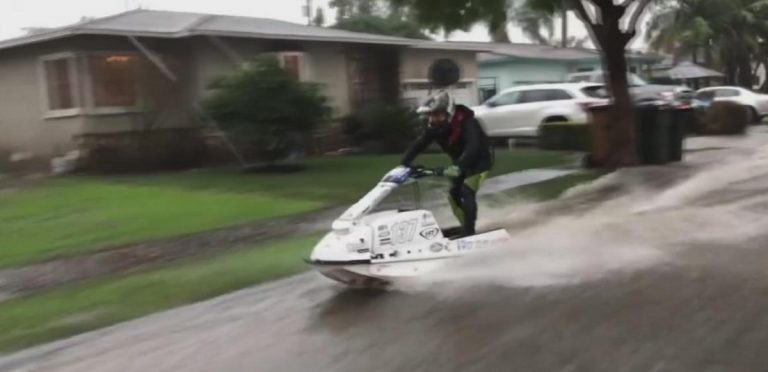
x=367, y=248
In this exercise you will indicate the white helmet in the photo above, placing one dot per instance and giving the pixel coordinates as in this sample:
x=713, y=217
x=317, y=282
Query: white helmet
x=440, y=101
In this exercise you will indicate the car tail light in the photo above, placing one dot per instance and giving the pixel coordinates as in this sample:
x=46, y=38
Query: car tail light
x=585, y=105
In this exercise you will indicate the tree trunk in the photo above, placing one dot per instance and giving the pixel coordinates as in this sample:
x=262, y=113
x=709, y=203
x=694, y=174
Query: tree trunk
x=764, y=86
x=622, y=147
x=695, y=55
x=745, y=71
x=730, y=72
x=497, y=29
x=500, y=36
x=564, y=25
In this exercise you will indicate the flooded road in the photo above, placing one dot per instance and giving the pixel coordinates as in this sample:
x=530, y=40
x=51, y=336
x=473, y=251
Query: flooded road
x=648, y=269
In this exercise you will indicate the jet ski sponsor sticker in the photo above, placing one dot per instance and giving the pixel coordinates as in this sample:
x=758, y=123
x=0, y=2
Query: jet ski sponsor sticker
x=430, y=233
x=468, y=245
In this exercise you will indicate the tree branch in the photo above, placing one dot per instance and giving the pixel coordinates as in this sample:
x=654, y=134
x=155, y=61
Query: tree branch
x=595, y=30
x=581, y=12
x=639, y=9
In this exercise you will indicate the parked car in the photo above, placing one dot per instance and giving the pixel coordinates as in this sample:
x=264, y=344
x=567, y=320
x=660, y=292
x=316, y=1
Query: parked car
x=756, y=102
x=519, y=111
x=639, y=88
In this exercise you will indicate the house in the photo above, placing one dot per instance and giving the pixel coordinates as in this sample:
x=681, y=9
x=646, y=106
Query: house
x=149, y=69
x=509, y=65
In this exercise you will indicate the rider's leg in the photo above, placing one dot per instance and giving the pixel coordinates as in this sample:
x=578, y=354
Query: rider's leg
x=469, y=189
x=455, y=199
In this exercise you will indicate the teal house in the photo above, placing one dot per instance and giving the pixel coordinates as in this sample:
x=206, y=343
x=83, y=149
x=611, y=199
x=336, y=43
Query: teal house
x=510, y=65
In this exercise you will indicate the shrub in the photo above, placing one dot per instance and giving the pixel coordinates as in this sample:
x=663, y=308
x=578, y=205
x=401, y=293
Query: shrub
x=382, y=128
x=565, y=136
x=723, y=118
x=264, y=108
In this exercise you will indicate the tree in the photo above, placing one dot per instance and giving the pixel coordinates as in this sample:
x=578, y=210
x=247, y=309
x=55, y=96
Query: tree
x=263, y=106
x=350, y=8
x=382, y=25
x=532, y=22
x=343, y=8
x=612, y=24
x=319, y=19
x=728, y=34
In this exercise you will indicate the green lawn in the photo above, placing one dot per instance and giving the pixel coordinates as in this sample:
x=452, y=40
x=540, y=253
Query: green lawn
x=67, y=217
x=333, y=180
x=74, y=215
x=62, y=313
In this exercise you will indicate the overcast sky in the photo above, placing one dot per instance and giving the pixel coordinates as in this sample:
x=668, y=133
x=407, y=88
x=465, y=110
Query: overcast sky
x=15, y=15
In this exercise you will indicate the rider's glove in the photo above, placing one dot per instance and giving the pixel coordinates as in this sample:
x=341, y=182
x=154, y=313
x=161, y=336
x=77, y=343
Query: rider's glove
x=452, y=171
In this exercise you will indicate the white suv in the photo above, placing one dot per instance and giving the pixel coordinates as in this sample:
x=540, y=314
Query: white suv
x=519, y=111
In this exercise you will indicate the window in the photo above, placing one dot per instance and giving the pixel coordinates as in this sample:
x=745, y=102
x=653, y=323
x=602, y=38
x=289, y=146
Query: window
x=596, y=91
x=291, y=64
x=505, y=99
x=707, y=95
x=721, y=93
x=89, y=83
x=58, y=75
x=558, y=95
x=113, y=80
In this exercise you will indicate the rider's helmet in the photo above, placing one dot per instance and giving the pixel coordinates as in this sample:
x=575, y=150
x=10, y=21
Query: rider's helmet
x=440, y=102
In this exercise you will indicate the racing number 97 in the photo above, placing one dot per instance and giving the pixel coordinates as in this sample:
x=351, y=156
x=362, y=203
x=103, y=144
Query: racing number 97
x=403, y=232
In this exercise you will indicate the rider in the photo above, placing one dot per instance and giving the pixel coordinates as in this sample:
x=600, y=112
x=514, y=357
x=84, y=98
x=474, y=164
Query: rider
x=460, y=135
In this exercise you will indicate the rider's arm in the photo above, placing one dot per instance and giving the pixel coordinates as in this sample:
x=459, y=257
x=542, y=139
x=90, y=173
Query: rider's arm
x=473, y=144
x=417, y=147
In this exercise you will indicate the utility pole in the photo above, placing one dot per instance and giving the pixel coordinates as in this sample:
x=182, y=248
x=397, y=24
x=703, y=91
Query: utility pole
x=308, y=12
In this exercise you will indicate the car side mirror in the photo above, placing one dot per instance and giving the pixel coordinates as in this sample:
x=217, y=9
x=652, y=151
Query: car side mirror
x=491, y=104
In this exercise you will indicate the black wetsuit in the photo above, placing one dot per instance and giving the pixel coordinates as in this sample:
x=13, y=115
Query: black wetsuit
x=465, y=141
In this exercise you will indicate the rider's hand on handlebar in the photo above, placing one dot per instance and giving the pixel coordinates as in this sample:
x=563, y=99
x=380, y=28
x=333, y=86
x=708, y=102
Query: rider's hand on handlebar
x=452, y=171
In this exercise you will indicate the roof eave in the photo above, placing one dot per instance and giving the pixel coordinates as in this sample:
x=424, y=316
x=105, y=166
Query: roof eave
x=253, y=35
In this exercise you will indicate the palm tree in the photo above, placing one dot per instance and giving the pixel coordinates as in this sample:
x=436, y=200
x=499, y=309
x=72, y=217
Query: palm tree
x=539, y=26
x=533, y=24
x=726, y=33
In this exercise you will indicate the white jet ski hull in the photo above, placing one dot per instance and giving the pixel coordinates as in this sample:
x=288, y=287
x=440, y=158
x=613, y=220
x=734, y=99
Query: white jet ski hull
x=382, y=272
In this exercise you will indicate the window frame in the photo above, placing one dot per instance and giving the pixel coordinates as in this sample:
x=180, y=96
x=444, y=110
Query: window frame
x=74, y=76
x=81, y=85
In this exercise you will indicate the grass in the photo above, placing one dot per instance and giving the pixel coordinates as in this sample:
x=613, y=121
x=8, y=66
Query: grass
x=62, y=313
x=66, y=312
x=333, y=180
x=76, y=215
x=69, y=217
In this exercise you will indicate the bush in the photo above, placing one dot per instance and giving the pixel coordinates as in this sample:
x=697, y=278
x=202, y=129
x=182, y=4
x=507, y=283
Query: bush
x=264, y=108
x=565, y=136
x=723, y=118
x=382, y=128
